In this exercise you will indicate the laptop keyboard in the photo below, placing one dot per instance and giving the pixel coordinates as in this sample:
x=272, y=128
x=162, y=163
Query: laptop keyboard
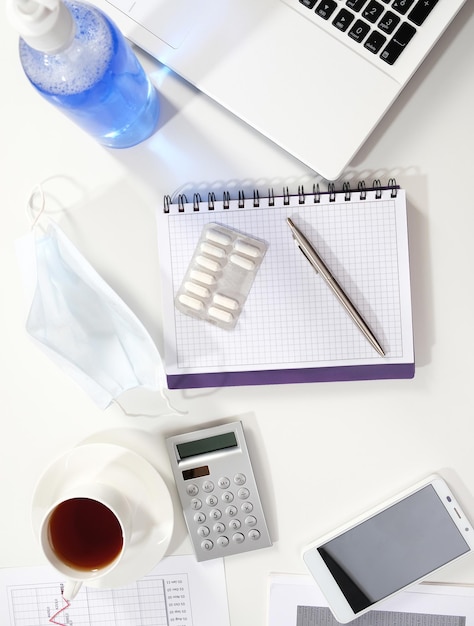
x=383, y=27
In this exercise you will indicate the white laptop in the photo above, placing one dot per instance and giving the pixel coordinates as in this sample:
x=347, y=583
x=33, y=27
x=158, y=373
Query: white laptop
x=313, y=76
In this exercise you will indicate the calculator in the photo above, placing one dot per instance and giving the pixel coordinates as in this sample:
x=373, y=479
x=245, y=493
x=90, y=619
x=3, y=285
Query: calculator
x=218, y=492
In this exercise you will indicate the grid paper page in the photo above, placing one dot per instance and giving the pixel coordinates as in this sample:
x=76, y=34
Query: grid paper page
x=291, y=318
x=147, y=603
x=178, y=591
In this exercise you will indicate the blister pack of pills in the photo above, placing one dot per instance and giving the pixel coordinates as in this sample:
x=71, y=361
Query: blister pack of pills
x=220, y=275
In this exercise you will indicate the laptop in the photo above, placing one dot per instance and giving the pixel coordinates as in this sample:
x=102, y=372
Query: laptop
x=313, y=76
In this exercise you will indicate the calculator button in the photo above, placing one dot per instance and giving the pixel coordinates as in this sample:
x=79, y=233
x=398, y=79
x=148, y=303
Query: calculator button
x=203, y=531
x=207, y=544
x=199, y=518
x=235, y=524
x=222, y=541
x=254, y=534
x=243, y=493
x=208, y=486
x=231, y=511
x=212, y=500
x=247, y=507
x=227, y=496
x=250, y=520
x=238, y=538
x=240, y=479
x=223, y=482
x=215, y=514
x=192, y=489
x=218, y=527
x=196, y=504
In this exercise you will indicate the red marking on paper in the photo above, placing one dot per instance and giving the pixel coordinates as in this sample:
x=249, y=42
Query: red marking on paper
x=53, y=618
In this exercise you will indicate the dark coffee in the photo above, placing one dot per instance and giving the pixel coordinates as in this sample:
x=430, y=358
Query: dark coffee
x=85, y=534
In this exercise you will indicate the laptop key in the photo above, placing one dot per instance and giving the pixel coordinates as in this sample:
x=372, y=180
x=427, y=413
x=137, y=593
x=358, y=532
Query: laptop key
x=326, y=9
x=375, y=41
x=308, y=3
x=389, y=22
x=359, y=31
x=421, y=10
x=355, y=5
x=402, y=6
x=373, y=11
x=343, y=19
x=398, y=43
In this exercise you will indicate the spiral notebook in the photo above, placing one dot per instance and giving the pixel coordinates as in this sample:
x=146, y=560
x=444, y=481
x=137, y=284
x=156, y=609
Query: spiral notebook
x=292, y=329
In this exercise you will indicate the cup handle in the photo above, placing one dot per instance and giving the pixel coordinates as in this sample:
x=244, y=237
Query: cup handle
x=71, y=589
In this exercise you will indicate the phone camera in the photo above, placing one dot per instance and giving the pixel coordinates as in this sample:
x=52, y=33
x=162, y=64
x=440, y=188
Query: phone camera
x=448, y=498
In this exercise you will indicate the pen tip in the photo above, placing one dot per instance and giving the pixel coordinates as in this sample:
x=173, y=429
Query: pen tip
x=379, y=349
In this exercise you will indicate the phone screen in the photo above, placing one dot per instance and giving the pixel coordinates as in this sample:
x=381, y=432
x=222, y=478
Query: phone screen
x=394, y=548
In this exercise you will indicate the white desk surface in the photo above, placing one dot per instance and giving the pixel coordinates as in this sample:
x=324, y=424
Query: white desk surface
x=322, y=452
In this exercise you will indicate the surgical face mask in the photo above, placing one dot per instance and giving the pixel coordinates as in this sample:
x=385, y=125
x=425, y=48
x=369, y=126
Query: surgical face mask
x=81, y=323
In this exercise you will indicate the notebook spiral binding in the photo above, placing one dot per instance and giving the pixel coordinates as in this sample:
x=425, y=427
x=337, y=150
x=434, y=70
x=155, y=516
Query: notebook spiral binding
x=316, y=195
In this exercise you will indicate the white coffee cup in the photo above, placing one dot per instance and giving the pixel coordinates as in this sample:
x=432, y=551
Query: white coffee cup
x=85, y=534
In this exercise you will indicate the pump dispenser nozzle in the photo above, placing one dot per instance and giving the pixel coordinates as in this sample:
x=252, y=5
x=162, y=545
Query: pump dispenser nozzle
x=79, y=61
x=45, y=25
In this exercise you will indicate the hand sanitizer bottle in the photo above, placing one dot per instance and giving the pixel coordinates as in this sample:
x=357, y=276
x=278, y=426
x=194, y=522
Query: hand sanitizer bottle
x=77, y=59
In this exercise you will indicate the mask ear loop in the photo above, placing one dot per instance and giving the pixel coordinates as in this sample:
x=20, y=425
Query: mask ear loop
x=36, y=204
x=172, y=410
x=31, y=208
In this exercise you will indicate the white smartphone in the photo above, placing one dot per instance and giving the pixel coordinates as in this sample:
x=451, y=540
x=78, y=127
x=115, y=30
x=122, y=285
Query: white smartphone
x=389, y=548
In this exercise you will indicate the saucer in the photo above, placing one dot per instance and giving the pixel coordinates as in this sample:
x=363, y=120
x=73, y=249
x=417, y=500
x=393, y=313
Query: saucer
x=137, y=480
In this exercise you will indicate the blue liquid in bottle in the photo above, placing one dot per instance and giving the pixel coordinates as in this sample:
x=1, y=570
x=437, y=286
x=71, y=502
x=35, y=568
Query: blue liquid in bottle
x=97, y=81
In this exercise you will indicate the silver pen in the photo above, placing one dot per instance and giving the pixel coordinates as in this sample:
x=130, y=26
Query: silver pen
x=318, y=264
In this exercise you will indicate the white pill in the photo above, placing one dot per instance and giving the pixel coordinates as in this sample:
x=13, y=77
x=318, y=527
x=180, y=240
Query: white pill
x=211, y=250
x=225, y=301
x=241, y=261
x=197, y=290
x=219, y=314
x=192, y=303
x=246, y=248
x=209, y=264
x=202, y=277
x=217, y=237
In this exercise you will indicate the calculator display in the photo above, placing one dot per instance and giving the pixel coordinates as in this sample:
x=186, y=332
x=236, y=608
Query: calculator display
x=189, y=449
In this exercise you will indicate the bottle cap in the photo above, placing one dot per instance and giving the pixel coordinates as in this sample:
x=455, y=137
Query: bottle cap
x=45, y=25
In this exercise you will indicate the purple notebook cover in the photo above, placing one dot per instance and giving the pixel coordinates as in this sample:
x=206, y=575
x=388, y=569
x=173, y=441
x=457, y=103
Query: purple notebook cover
x=288, y=376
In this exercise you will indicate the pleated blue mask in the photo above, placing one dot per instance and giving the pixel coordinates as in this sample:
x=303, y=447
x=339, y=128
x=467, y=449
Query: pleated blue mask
x=83, y=325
